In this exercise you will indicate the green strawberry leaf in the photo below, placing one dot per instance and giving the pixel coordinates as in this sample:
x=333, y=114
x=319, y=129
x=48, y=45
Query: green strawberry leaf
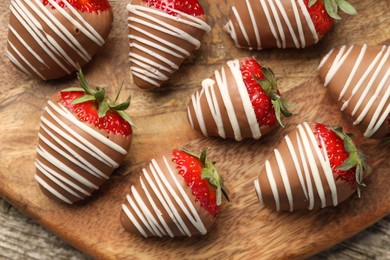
x=210, y=173
x=83, y=99
x=103, y=108
x=356, y=158
x=270, y=86
x=83, y=83
x=99, y=96
x=332, y=9
x=312, y=2
x=333, y=6
x=126, y=117
x=346, y=7
x=121, y=106
x=73, y=89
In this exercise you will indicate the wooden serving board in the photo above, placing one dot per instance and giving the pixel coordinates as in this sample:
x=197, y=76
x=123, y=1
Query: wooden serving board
x=244, y=229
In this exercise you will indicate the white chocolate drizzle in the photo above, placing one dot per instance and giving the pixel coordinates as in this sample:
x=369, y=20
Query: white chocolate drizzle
x=58, y=132
x=221, y=84
x=371, y=92
x=163, y=188
x=143, y=16
x=27, y=13
x=315, y=164
x=275, y=13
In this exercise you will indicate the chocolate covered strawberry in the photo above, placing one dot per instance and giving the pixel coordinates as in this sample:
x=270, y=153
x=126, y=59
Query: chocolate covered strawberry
x=49, y=39
x=162, y=35
x=358, y=78
x=314, y=166
x=241, y=100
x=83, y=137
x=283, y=24
x=179, y=194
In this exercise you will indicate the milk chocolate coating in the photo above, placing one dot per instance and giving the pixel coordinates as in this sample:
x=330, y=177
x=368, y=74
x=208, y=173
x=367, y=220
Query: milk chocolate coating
x=73, y=161
x=301, y=177
x=258, y=24
x=160, y=42
x=47, y=45
x=222, y=106
x=160, y=203
x=358, y=78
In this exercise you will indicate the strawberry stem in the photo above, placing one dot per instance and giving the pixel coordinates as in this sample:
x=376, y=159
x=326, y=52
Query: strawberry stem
x=100, y=98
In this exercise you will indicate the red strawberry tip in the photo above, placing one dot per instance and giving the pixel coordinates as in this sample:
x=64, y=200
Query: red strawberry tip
x=210, y=173
x=98, y=95
x=356, y=158
x=269, y=85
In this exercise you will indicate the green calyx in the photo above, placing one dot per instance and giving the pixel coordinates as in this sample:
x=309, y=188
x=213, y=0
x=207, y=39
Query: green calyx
x=356, y=158
x=210, y=173
x=270, y=86
x=332, y=7
x=99, y=96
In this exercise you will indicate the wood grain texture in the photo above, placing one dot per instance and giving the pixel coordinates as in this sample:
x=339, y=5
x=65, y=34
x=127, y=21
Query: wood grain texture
x=93, y=226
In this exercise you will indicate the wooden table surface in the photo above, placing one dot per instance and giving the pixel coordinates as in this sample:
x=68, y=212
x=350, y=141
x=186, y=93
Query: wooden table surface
x=22, y=238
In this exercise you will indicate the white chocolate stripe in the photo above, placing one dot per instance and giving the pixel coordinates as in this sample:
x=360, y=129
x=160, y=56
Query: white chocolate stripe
x=50, y=189
x=64, y=112
x=286, y=182
x=310, y=190
x=309, y=154
x=145, y=16
x=272, y=183
x=64, y=149
x=272, y=10
x=258, y=191
x=296, y=164
x=64, y=168
x=213, y=105
x=81, y=162
x=309, y=21
x=89, y=30
x=25, y=44
x=371, y=91
x=60, y=180
x=240, y=24
x=17, y=63
x=166, y=201
x=155, y=208
x=363, y=78
x=26, y=61
x=222, y=85
x=132, y=218
x=353, y=72
x=54, y=24
x=159, y=39
x=26, y=16
x=338, y=62
x=324, y=161
x=153, y=224
x=246, y=102
x=198, y=109
x=221, y=82
x=254, y=24
x=315, y=173
x=160, y=186
x=35, y=32
x=76, y=138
